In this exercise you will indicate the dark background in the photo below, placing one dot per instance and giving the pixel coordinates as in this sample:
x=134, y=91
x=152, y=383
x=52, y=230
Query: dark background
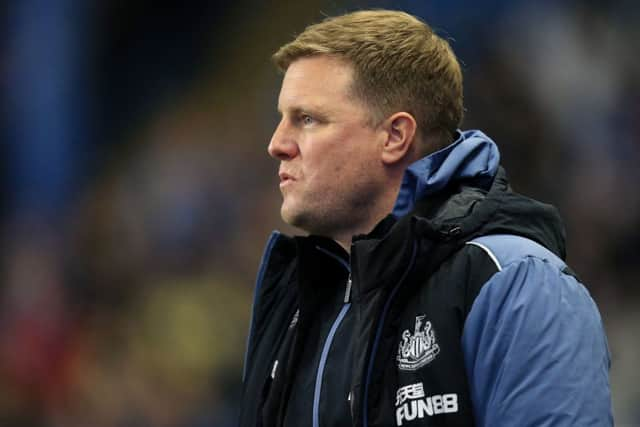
x=137, y=193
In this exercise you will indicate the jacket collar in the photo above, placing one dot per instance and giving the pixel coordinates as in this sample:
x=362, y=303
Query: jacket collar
x=473, y=156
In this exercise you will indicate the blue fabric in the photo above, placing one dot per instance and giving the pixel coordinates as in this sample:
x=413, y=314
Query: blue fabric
x=323, y=362
x=534, y=345
x=472, y=156
x=509, y=248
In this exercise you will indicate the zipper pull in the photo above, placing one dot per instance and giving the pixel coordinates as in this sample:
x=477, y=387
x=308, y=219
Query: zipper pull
x=347, y=293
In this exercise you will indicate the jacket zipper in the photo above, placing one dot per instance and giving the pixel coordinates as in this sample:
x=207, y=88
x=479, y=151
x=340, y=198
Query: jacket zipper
x=347, y=292
x=325, y=353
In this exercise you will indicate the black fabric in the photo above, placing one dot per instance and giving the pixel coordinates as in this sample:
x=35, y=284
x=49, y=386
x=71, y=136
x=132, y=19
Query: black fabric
x=415, y=266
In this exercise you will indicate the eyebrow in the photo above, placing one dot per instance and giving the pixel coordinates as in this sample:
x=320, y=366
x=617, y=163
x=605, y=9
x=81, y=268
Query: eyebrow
x=313, y=109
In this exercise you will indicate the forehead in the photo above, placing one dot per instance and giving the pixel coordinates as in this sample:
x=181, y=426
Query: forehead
x=316, y=81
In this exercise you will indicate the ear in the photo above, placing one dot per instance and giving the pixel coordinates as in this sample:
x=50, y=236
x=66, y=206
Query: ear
x=400, y=131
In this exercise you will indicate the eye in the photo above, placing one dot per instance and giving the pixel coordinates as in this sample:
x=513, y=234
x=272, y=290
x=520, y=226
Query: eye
x=307, y=120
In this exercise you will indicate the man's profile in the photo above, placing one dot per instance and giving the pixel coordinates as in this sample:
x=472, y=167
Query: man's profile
x=426, y=292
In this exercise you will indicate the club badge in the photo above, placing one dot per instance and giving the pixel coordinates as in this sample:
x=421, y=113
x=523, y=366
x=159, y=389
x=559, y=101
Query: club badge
x=418, y=348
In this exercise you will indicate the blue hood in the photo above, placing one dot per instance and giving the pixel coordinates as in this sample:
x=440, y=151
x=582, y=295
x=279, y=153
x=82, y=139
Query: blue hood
x=472, y=156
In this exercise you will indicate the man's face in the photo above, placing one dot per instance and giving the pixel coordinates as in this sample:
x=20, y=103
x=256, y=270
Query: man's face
x=330, y=167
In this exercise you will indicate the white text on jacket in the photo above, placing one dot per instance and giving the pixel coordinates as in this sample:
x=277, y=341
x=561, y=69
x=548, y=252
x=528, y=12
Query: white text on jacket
x=411, y=403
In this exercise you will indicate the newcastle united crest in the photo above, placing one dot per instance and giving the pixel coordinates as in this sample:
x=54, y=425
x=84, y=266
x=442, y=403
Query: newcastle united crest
x=417, y=349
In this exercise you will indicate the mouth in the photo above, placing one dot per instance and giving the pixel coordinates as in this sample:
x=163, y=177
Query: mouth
x=285, y=179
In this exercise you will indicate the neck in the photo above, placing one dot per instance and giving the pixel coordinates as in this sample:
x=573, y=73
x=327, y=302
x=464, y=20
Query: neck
x=376, y=214
x=377, y=210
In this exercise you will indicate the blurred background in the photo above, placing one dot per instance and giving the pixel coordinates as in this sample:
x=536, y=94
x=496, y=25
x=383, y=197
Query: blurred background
x=137, y=193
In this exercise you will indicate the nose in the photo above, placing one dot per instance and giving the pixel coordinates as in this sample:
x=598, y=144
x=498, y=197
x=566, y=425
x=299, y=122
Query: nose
x=283, y=145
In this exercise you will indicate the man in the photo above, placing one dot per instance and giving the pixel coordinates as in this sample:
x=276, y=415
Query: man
x=426, y=293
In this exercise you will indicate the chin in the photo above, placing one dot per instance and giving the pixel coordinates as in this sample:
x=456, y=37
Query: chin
x=297, y=218
x=290, y=215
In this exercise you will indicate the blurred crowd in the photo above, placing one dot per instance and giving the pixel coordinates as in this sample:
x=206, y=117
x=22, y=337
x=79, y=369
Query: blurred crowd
x=138, y=194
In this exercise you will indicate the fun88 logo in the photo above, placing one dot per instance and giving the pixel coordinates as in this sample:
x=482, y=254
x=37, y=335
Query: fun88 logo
x=411, y=403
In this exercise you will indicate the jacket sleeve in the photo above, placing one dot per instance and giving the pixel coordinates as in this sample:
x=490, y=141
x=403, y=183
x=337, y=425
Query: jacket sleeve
x=535, y=350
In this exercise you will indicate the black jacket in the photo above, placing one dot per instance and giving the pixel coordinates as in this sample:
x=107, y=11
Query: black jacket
x=428, y=323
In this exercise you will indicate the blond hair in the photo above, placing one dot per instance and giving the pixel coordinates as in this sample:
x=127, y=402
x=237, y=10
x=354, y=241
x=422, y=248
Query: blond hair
x=399, y=64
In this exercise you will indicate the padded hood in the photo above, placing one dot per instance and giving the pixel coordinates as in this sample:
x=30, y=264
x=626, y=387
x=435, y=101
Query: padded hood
x=473, y=156
x=462, y=188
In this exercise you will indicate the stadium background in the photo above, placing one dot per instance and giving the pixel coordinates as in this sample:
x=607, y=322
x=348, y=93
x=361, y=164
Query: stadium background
x=137, y=193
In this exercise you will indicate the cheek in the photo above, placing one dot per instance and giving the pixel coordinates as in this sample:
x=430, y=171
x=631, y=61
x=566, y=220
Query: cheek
x=340, y=155
x=338, y=167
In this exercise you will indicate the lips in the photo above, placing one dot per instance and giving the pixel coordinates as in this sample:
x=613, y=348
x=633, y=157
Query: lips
x=285, y=177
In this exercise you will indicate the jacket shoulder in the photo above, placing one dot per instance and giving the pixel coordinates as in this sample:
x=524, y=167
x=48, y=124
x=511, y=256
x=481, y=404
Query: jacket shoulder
x=534, y=345
x=506, y=249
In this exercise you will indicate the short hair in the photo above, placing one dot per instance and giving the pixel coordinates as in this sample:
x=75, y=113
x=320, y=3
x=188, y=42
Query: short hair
x=399, y=64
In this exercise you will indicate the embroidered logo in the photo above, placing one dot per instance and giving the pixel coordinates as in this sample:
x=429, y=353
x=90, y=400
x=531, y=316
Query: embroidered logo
x=417, y=349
